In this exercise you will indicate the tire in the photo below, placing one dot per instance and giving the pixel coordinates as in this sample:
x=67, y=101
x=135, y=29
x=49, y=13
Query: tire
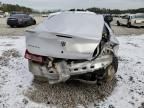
x=129, y=25
x=34, y=22
x=111, y=70
x=39, y=79
x=118, y=23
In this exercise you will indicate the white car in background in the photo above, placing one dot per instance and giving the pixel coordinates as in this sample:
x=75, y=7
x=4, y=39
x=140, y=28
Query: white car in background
x=72, y=46
x=131, y=20
x=44, y=15
x=2, y=15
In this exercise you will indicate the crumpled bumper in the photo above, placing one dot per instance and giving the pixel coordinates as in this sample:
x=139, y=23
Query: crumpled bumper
x=63, y=71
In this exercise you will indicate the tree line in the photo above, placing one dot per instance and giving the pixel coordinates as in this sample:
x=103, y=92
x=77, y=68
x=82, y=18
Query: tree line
x=110, y=11
x=11, y=7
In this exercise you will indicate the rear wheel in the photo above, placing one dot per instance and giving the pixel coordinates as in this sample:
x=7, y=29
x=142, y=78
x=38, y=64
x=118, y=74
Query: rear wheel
x=118, y=23
x=111, y=70
x=128, y=25
x=34, y=22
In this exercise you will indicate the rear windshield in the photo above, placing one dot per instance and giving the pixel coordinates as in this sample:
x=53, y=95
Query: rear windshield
x=18, y=15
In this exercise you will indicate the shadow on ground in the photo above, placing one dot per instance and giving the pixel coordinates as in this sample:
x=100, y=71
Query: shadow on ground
x=68, y=95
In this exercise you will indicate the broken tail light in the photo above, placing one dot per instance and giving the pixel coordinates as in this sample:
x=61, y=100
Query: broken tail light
x=33, y=57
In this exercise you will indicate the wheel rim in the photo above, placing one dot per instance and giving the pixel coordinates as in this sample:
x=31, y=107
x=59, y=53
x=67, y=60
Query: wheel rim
x=110, y=73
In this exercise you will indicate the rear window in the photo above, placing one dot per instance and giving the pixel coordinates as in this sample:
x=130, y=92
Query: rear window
x=19, y=15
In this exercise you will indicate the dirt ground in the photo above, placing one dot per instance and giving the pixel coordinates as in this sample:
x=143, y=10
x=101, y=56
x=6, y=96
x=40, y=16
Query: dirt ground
x=5, y=30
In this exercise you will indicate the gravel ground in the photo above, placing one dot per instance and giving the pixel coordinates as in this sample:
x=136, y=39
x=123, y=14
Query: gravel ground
x=5, y=30
x=69, y=95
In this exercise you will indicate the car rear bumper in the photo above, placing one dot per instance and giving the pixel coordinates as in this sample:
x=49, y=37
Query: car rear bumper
x=63, y=71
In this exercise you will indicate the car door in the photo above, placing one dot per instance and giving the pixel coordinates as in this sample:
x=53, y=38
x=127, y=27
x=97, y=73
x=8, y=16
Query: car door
x=124, y=20
x=27, y=20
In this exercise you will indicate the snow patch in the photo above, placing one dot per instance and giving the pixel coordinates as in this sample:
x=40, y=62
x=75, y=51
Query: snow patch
x=16, y=80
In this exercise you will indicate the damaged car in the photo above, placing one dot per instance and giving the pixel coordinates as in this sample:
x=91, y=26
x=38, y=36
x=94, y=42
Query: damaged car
x=72, y=46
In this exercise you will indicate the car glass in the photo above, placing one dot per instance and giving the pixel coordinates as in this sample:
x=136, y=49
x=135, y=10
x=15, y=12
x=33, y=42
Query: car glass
x=18, y=15
x=140, y=16
x=125, y=17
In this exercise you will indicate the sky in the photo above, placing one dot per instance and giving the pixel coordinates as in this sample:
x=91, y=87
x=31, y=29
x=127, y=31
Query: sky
x=68, y=4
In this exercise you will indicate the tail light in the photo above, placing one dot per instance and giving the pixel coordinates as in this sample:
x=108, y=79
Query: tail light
x=33, y=57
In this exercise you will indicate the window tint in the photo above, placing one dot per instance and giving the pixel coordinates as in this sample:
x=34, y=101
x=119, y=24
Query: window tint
x=20, y=15
x=139, y=16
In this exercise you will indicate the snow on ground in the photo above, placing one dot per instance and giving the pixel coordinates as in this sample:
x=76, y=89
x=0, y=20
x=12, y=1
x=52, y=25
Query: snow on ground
x=17, y=89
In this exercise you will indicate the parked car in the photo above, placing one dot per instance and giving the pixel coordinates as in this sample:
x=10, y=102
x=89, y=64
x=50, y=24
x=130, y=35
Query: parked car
x=44, y=15
x=2, y=14
x=131, y=20
x=72, y=46
x=19, y=20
